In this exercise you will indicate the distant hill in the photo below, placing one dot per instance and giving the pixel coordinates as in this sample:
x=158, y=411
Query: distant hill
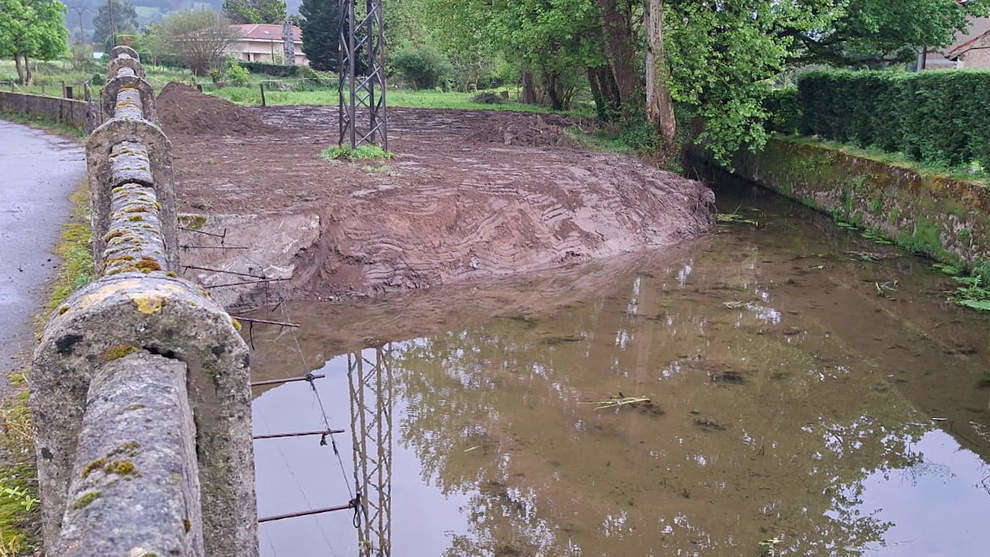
x=82, y=12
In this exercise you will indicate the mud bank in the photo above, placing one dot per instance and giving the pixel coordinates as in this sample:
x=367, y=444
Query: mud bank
x=469, y=194
x=943, y=218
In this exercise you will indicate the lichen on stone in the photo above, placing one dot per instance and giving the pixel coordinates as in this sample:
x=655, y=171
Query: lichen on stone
x=120, y=351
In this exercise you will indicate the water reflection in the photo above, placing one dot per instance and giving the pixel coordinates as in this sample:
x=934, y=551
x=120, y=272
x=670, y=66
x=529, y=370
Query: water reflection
x=791, y=413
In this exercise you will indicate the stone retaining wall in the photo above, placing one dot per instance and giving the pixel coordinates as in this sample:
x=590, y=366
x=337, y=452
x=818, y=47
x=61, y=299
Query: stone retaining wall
x=140, y=388
x=68, y=111
x=944, y=218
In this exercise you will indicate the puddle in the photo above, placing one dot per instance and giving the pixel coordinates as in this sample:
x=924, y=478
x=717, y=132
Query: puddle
x=803, y=400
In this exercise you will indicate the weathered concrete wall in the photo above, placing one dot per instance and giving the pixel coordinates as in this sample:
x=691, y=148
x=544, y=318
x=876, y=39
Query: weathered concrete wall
x=140, y=388
x=944, y=218
x=68, y=111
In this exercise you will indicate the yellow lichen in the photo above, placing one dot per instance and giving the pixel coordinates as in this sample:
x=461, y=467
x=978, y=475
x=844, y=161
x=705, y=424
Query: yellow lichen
x=147, y=303
x=147, y=264
x=235, y=323
x=120, y=351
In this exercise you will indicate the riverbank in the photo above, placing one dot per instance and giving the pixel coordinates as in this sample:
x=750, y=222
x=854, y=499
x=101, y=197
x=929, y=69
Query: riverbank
x=943, y=217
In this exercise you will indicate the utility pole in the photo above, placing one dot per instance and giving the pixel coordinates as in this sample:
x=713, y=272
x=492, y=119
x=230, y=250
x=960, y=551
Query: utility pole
x=113, y=27
x=362, y=47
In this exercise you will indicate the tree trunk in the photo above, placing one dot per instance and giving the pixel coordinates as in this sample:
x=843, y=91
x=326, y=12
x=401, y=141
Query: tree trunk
x=555, y=90
x=27, y=70
x=659, y=105
x=529, y=89
x=620, y=47
x=20, y=69
x=604, y=91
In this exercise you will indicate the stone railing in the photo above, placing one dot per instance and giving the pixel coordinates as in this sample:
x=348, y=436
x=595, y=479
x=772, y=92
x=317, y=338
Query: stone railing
x=76, y=113
x=140, y=391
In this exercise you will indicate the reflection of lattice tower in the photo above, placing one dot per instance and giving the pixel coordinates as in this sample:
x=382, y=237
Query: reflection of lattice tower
x=362, y=73
x=371, y=431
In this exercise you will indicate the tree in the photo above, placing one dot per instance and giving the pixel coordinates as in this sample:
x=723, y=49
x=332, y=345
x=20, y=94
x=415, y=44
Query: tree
x=659, y=104
x=320, y=23
x=199, y=38
x=31, y=29
x=124, y=20
x=255, y=11
x=724, y=57
x=878, y=32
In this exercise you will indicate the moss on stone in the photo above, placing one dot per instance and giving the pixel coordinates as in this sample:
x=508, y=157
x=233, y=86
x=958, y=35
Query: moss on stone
x=123, y=467
x=95, y=465
x=85, y=499
x=135, y=218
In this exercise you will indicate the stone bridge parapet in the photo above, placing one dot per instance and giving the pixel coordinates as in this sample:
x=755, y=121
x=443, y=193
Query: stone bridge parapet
x=140, y=388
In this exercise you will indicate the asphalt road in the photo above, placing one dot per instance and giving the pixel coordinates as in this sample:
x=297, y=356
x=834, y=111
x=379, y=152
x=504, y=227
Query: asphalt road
x=38, y=171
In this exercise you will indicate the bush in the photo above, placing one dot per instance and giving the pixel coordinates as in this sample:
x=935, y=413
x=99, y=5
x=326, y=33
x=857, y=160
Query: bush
x=236, y=74
x=487, y=97
x=276, y=70
x=784, y=110
x=423, y=67
x=230, y=73
x=935, y=117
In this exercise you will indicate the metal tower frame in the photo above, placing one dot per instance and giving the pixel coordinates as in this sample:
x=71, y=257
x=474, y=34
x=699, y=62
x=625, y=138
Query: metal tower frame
x=371, y=389
x=362, y=37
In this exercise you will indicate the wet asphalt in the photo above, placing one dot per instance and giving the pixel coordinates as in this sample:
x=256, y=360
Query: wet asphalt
x=38, y=171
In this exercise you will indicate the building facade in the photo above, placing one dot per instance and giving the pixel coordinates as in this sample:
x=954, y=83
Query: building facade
x=259, y=42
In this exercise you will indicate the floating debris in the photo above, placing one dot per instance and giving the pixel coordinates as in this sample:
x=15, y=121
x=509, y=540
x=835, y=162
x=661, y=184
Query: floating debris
x=866, y=256
x=883, y=288
x=620, y=400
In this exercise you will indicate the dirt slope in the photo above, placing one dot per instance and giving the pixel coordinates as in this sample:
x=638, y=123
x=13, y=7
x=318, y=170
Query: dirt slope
x=469, y=194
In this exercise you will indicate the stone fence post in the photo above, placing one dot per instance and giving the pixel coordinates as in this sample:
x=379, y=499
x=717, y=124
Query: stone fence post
x=140, y=388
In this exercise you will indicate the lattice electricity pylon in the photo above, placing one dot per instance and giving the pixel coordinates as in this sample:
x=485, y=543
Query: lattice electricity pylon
x=371, y=433
x=362, y=73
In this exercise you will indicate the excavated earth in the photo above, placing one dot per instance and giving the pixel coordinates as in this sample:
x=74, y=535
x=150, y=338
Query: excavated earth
x=469, y=194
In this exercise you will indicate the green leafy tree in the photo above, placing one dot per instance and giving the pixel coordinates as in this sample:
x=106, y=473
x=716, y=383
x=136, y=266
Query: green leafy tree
x=319, y=22
x=31, y=29
x=875, y=32
x=255, y=11
x=124, y=20
x=723, y=60
x=551, y=40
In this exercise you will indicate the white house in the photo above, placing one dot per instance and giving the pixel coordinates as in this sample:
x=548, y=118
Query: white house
x=260, y=42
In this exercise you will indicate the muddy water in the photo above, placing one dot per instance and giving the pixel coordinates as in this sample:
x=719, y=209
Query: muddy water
x=804, y=401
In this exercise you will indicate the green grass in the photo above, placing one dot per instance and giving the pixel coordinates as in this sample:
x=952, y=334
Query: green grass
x=364, y=152
x=46, y=124
x=404, y=98
x=19, y=514
x=18, y=494
x=76, y=269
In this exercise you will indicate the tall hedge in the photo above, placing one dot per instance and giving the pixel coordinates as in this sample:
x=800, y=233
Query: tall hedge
x=940, y=117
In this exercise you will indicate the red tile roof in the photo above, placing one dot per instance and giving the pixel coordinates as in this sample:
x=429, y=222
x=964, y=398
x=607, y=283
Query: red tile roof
x=265, y=32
